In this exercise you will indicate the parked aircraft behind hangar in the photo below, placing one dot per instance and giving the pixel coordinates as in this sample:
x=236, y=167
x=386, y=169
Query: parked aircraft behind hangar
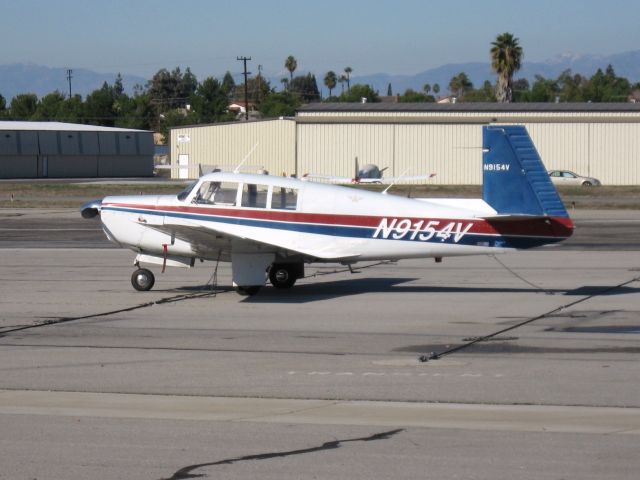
x=271, y=227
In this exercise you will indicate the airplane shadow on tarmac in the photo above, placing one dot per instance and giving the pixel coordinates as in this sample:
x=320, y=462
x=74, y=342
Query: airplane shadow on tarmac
x=307, y=293
x=342, y=288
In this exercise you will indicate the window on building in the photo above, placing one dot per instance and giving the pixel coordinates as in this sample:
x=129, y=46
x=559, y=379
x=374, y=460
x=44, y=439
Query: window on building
x=254, y=196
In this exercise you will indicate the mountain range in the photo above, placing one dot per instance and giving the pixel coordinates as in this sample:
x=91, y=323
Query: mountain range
x=625, y=65
x=38, y=79
x=19, y=78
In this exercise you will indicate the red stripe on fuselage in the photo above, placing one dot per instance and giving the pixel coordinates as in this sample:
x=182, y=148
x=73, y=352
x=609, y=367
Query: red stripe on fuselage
x=560, y=227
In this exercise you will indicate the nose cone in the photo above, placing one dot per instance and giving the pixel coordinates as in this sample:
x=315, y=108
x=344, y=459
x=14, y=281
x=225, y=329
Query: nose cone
x=91, y=209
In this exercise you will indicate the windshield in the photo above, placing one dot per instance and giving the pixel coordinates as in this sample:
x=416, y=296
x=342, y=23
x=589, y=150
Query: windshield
x=185, y=193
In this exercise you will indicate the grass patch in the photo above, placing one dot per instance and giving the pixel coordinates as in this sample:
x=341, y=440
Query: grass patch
x=72, y=195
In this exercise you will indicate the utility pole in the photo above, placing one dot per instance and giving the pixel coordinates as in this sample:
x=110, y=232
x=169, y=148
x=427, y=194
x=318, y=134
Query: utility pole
x=246, y=94
x=69, y=77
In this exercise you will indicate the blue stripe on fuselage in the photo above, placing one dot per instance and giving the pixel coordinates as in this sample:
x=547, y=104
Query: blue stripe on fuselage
x=469, y=239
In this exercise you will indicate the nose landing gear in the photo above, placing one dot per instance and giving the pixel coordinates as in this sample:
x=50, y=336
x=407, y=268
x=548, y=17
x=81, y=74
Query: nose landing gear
x=143, y=280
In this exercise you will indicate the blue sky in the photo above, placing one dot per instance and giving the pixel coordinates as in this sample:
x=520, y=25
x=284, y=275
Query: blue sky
x=401, y=36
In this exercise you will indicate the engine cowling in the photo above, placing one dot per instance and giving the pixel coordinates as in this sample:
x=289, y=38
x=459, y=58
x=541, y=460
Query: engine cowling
x=91, y=209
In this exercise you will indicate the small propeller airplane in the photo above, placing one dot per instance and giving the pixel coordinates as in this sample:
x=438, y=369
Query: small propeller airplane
x=271, y=227
x=369, y=173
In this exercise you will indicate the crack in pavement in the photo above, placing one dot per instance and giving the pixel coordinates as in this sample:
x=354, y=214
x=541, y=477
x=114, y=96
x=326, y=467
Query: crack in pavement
x=173, y=299
x=187, y=472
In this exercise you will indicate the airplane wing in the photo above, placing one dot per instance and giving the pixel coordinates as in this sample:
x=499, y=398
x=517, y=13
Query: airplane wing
x=382, y=180
x=413, y=178
x=207, y=237
x=327, y=178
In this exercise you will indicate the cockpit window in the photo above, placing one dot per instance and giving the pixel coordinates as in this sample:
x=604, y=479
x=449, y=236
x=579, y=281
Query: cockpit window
x=254, y=196
x=185, y=193
x=284, y=198
x=217, y=193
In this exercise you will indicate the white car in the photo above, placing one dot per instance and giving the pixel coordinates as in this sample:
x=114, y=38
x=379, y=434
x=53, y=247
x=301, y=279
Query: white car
x=565, y=177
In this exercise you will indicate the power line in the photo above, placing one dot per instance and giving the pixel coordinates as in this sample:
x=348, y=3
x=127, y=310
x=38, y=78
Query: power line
x=246, y=94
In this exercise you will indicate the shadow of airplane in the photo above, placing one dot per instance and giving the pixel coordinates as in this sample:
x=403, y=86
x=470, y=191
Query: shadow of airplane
x=313, y=292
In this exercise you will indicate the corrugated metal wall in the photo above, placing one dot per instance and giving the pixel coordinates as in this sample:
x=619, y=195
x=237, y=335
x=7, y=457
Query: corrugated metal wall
x=61, y=154
x=227, y=144
x=605, y=145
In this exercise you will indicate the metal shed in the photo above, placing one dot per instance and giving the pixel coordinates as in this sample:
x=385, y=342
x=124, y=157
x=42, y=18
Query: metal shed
x=59, y=150
x=600, y=140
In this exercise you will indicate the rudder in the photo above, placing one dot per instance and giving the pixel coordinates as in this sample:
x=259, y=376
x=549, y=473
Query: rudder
x=515, y=180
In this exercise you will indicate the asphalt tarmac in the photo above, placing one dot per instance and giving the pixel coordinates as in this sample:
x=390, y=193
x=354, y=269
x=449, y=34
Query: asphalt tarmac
x=323, y=381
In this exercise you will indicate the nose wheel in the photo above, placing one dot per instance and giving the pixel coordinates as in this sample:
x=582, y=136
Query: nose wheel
x=143, y=280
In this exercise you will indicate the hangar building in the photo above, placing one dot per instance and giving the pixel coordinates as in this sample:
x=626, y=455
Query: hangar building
x=594, y=139
x=55, y=150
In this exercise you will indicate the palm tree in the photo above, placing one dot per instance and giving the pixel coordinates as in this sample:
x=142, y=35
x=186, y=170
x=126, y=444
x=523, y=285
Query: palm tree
x=426, y=88
x=436, y=88
x=342, y=79
x=330, y=80
x=347, y=71
x=291, y=64
x=285, y=83
x=460, y=84
x=506, y=59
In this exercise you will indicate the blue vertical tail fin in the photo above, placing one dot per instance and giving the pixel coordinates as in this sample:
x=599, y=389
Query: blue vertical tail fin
x=515, y=181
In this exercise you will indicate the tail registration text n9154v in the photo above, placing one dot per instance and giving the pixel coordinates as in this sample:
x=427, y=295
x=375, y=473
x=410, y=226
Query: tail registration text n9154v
x=270, y=227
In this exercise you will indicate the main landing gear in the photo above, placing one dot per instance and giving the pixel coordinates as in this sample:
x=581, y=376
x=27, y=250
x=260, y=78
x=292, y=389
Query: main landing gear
x=281, y=275
x=143, y=280
x=284, y=275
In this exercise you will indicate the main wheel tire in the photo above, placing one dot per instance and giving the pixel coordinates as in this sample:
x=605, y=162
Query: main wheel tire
x=248, y=291
x=143, y=280
x=587, y=184
x=282, y=275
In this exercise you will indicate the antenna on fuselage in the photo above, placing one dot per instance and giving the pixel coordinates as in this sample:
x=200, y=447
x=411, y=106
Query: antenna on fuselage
x=237, y=169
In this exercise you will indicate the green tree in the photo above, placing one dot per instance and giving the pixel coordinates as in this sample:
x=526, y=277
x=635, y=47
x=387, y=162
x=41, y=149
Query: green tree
x=305, y=88
x=342, y=79
x=49, y=107
x=118, y=86
x=484, y=94
x=258, y=88
x=330, y=80
x=291, y=64
x=72, y=110
x=506, y=59
x=188, y=83
x=544, y=90
x=23, y=106
x=358, y=92
x=521, y=90
x=3, y=106
x=436, y=88
x=228, y=85
x=279, y=104
x=209, y=103
x=347, y=73
x=411, y=96
x=389, y=90
x=606, y=87
x=98, y=106
x=571, y=86
x=460, y=84
x=136, y=111
x=426, y=88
